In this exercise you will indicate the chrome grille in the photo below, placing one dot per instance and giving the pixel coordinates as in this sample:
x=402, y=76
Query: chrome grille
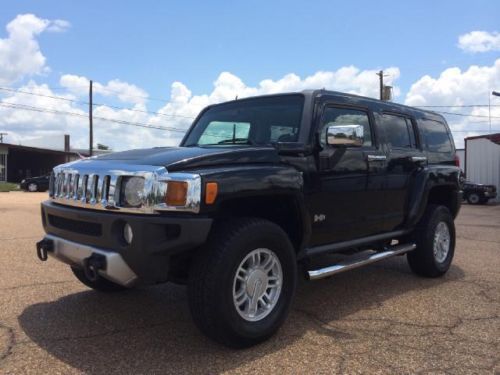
x=89, y=189
x=96, y=184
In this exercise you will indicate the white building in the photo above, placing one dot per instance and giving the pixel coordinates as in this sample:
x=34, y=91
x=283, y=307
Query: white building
x=482, y=159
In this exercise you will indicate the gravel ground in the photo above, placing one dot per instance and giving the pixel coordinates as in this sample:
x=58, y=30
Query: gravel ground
x=378, y=319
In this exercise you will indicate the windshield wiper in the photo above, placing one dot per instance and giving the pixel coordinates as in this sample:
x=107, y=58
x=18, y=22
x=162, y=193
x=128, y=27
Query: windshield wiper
x=236, y=141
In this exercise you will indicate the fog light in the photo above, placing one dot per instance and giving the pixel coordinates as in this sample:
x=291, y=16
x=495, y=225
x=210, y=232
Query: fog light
x=128, y=235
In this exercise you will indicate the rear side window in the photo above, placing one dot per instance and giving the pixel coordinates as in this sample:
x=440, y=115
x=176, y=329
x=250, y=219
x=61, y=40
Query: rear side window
x=436, y=136
x=398, y=131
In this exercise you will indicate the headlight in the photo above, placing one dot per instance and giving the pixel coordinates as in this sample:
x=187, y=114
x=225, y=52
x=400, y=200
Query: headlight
x=132, y=192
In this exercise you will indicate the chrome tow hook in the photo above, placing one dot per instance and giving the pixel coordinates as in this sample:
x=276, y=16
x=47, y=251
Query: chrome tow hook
x=43, y=247
x=92, y=265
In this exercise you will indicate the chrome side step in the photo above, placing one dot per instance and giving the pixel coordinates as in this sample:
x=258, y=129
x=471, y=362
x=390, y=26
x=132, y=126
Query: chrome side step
x=349, y=265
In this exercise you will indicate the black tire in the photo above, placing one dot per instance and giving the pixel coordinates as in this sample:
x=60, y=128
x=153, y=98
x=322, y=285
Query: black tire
x=210, y=287
x=101, y=284
x=473, y=198
x=422, y=260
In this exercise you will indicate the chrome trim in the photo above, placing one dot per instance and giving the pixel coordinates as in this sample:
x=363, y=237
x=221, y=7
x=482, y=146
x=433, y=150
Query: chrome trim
x=74, y=253
x=376, y=157
x=350, y=264
x=418, y=158
x=96, y=185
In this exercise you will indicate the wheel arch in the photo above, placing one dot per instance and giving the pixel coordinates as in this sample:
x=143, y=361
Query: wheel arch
x=287, y=210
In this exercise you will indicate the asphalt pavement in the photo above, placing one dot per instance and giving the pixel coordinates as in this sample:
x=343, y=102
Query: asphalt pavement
x=377, y=319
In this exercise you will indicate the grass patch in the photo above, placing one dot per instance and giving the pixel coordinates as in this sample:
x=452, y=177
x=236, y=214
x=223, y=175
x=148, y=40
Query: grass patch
x=8, y=186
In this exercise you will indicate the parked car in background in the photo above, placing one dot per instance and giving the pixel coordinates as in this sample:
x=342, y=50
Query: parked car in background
x=40, y=183
x=479, y=193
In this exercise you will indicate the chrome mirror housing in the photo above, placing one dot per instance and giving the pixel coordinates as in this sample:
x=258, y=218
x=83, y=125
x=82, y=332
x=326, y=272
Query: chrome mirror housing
x=345, y=135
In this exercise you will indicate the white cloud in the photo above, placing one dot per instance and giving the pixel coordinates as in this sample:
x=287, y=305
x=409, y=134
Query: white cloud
x=124, y=91
x=479, y=41
x=455, y=87
x=20, y=53
x=177, y=112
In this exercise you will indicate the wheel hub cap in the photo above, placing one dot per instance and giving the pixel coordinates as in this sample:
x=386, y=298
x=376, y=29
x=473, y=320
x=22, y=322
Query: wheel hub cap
x=257, y=284
x=441, y=242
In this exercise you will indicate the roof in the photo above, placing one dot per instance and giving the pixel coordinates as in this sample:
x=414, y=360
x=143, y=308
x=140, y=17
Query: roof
x=38, y=149
x=310, y=93
x=495, y=138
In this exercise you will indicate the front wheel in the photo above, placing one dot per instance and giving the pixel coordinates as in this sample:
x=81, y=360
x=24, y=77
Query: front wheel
x=435, y=239
x=242, y=283
x=32, y=187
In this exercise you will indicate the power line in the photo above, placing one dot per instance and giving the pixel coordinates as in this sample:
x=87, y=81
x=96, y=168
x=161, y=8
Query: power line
x=81, y=115
x=457, y=106
x=94, y=104
x=465, y=115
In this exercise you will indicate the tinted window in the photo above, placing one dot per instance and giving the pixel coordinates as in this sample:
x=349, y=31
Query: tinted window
x=436, y=136
x=411, y=131
x=343, y=116
x=254, y=121
x=397, y=131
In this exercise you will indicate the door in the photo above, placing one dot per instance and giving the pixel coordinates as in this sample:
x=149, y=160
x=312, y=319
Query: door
x=404, y=156
x=350, y=188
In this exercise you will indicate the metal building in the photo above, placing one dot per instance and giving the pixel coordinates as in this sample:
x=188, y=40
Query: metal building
x=482, y=159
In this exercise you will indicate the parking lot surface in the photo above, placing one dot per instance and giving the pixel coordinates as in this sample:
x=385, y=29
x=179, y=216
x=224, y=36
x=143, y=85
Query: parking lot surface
x=377, y=319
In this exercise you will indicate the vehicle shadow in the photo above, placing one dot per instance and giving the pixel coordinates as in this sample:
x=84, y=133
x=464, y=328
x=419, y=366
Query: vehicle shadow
x=150, y=330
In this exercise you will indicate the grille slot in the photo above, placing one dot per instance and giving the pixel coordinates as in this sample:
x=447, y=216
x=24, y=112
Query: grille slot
x=89, y=189
x=81, y=227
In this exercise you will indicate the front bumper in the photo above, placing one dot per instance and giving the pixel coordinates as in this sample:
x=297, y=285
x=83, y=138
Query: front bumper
x=155, y=237
x=490, y=194
x=75, y=254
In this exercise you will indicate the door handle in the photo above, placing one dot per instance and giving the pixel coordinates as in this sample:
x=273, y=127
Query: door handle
x=376, y=157
x=418, y=158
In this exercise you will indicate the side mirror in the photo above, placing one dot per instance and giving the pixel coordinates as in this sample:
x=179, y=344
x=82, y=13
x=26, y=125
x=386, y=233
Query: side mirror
x=345, y=135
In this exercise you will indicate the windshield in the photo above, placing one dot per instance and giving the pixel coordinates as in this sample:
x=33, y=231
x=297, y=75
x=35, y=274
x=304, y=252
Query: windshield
x=259, y=121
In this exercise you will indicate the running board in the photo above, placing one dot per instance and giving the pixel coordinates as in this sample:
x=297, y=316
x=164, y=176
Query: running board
x=349, y=265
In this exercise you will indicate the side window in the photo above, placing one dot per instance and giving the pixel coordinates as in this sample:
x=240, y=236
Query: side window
x=397, y=131
x=436, y=136
x=411, y=131
x=345, y=116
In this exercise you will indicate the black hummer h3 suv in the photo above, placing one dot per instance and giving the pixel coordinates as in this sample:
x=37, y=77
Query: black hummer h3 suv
x=259, y=188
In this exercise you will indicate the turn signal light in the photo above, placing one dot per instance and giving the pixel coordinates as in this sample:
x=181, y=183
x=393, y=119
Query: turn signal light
x=176, y=193
x=211, y=190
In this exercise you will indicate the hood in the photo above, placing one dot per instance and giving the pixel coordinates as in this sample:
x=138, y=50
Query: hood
x=179, y=158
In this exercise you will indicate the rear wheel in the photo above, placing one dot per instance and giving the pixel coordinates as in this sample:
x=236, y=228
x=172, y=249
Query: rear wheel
x=242, y=283
x=435, y=239
x=101, y=284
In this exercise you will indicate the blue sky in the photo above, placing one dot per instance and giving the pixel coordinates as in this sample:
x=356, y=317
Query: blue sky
x=152, y=44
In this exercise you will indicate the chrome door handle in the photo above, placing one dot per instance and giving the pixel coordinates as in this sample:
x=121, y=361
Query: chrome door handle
x=418, y=158
x=376, y=157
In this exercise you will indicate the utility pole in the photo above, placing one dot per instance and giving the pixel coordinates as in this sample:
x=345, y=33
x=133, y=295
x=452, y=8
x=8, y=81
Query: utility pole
x=1, y=137
x=494, y=93
x=381, y=81
x=91, y=125
x=489, y=108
